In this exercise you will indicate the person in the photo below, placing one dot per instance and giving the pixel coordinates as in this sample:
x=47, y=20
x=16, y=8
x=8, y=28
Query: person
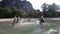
x=14, y=21
x=41, y=20
x=18, y=19
x=28, y=19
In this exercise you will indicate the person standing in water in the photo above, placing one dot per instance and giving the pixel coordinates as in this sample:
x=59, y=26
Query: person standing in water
x=41, y=20
x=28, y=19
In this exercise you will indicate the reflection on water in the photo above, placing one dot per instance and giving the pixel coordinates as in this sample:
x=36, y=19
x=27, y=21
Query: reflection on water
x=34, y=28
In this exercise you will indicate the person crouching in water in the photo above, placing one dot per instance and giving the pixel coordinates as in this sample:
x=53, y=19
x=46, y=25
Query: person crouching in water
x=41, y=20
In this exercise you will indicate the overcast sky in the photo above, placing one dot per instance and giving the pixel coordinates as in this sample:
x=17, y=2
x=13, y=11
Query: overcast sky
x=37, y=3
x=0, y=0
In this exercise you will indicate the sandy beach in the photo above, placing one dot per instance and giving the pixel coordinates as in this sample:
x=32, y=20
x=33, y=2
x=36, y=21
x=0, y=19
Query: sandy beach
x=32, y=19
x=10, y=19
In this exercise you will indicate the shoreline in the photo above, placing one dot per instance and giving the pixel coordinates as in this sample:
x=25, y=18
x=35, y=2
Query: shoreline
x=11, y=19
x=6, y=19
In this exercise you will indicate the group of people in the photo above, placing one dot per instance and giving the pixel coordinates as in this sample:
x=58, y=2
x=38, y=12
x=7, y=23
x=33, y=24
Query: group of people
x=17, y=19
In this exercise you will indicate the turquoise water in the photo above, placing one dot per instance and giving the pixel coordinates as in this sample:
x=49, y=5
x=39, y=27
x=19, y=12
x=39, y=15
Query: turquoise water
x=50, y=27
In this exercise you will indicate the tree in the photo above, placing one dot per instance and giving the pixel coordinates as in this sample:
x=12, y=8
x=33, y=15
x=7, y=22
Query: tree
x=17, y=12
x=50, y=10
x=4, y=12
x=53, y=9
x=44, y=8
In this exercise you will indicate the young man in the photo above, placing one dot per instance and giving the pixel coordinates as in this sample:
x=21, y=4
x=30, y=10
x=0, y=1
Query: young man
x=18, y=19
x=14, y=21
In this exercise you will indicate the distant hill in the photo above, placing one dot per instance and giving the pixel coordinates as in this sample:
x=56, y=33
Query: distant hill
x=19, y=4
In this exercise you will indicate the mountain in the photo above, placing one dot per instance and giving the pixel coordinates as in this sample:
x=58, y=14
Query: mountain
x=19, y=4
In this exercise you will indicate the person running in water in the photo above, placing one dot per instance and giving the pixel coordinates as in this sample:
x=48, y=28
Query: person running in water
x=16, y=20
x=41, y=20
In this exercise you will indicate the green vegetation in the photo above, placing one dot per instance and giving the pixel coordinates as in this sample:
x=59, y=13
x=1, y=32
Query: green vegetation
x=51, y=10
x=48, y=11
x=10, y=13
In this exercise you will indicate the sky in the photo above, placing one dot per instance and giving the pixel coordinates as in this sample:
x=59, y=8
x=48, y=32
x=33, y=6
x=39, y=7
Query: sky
x=0, y=0
x=37, y=3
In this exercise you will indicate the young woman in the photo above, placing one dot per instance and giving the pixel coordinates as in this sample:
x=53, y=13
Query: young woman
x=41, y=20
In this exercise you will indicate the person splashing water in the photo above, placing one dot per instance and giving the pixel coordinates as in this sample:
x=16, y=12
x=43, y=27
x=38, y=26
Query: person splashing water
x=16, y=20
x=41, y=19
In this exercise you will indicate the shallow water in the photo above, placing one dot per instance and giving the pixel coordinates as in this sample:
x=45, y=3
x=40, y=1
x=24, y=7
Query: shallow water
x=50, y=27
